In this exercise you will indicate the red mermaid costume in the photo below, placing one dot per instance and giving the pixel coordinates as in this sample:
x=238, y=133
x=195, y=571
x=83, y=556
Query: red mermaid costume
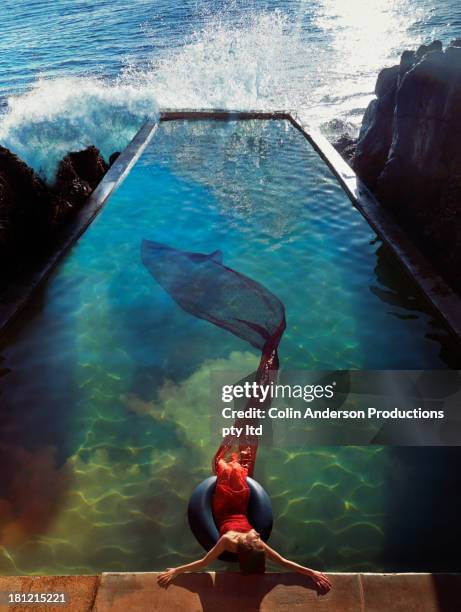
x=204, y=287
x=231, y=497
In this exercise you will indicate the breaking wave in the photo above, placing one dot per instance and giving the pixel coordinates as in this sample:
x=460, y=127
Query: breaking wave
x=316, y=58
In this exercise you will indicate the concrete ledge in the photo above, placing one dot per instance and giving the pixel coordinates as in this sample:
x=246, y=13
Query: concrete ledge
x=223, y=115
x=226, y=592
x=80, y=591
x=229, y=591
x=408, y=592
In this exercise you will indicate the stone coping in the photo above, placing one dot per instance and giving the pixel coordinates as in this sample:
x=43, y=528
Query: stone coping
x=432, y=287
x=230, y=591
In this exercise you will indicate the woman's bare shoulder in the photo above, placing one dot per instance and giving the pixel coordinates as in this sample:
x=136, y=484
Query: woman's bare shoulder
x=228, y=540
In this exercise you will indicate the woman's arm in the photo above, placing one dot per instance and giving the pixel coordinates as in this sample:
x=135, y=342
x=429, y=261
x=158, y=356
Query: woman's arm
x=321, y=581
x=164, y=579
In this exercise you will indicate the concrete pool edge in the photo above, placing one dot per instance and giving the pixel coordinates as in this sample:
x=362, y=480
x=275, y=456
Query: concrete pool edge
x=226, y=591
x=432, y=287
x=18, y=293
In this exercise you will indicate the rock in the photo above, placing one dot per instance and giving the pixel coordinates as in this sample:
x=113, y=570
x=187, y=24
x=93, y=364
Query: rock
x=89, y=165
x=387, y=80
x=376, y=132
x=31, y=211
x=346, y=146
x=435, y=45
x=377, y=129
x=409, y=151
x=79, y=173
x=407, y=61
x=114, y=157
x=5, y=221
x=70, y=184
x=28, y=209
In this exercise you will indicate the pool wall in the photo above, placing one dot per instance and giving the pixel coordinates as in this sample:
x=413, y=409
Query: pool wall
x=433, y=288
x=229, y=591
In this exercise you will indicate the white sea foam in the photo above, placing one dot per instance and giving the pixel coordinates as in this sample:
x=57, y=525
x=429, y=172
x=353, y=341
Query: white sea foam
x=68, y=114
x=248, y=63
x=322, y=63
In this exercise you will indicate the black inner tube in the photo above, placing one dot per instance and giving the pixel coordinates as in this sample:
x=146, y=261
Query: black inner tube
x=201, y=520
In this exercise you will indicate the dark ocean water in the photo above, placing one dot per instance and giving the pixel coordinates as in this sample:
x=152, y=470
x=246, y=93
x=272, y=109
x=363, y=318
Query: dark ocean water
x=72, y=70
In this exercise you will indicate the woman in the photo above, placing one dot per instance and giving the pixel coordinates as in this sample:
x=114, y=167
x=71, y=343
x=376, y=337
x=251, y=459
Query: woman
x=230, y=504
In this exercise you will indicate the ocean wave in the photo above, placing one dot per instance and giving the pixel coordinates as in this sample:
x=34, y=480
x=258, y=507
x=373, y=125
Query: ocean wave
x=68, y=114
x=245, y=64
x=319, y=60
x=233, y=64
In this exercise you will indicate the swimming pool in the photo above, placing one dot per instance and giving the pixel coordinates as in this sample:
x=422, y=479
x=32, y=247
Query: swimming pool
x=105, y=382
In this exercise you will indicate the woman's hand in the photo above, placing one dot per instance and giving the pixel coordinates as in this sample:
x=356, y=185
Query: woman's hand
x=321, y=582
x=165, y=578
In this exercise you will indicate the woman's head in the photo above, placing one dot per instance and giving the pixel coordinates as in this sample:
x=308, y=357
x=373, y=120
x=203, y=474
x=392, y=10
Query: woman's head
x=251, y=553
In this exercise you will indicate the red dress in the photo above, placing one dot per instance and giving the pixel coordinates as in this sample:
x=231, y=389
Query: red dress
x=230, y=498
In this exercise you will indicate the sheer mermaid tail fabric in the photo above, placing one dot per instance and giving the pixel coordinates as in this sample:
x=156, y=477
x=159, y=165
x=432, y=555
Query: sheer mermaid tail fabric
x=203, y=286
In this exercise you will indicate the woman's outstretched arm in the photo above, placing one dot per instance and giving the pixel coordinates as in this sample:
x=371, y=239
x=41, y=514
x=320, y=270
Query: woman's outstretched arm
x=164, y=579
x=321, y=581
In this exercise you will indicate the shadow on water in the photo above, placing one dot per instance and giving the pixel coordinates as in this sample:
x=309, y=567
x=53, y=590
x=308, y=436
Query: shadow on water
x=35, y=427
x=43, y=423
x=422, y=526
x=37, y=380
x=396, y=290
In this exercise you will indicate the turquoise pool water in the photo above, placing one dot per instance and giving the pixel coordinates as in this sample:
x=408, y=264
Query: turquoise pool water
x=104, y=382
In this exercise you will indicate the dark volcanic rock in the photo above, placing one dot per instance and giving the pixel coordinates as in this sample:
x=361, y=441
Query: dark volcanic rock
x=346, y=146
x=89, y=165
x=409, y=151
x=436, y=45
x=79, y=173
x=377, y=130
x=115, y=155
x=31, y=211
x=28, y=209
x=375, y=136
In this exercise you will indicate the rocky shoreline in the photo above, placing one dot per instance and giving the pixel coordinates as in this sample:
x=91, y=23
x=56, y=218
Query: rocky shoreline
x=409, y=151
x=32, y=212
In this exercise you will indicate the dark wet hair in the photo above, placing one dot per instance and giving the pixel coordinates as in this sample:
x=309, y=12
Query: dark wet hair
x=252, y=557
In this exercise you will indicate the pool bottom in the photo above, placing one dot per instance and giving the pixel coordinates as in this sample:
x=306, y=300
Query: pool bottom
x=113, y=507
x=105, y=405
